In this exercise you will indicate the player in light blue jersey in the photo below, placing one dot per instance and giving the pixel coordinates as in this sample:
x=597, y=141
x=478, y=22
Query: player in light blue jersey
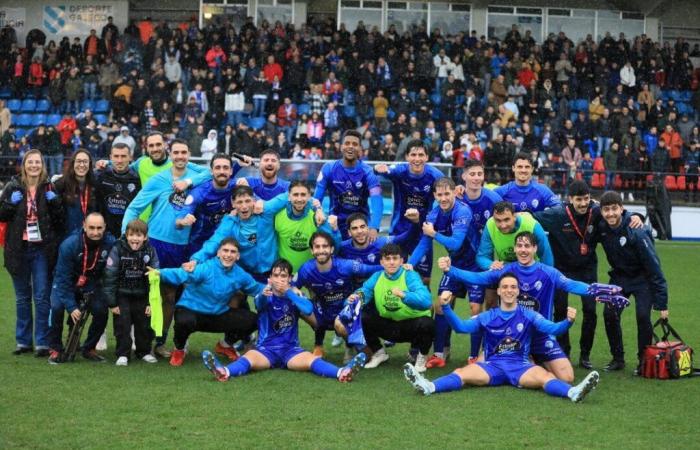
x=279, y=308
x=352, y=186
x=507, y=332
x=525, y=193
x=538, y=283
x=269, y=185
x=413, y=198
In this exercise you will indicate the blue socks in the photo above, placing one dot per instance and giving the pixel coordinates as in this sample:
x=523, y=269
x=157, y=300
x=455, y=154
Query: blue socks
x=451, y=382
x=239, y=367
x=324, y=368
x=442, y=329
x=476, y=344
x=557, y=388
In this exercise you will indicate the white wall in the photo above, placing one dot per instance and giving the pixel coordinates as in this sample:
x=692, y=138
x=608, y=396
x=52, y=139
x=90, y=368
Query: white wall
x=684, y=221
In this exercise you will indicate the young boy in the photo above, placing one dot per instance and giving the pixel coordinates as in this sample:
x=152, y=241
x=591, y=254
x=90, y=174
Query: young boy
x=126, y=291
x=279, y=308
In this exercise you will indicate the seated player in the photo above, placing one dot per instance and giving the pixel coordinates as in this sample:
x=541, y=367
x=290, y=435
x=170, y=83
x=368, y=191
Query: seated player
x=278, y=346
x=507, y=333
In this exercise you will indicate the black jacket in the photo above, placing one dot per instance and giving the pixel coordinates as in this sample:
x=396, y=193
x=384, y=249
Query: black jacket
x=114, y=192
x=125, y=270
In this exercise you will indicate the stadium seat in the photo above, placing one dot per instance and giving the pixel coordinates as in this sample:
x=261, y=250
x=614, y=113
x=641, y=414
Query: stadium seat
x=665, y=95
x=618, y=182
x=349, y=111
x=28, y=105
x=53, y=119
x=14, y=105
x=598, y=164
x=20, y=133
x=436, y=99
x=38, y=119
x=256, y=122
x=43, y=106
x=680, y=183
x=686, y=96
x=87, y=104
x=676, y=95
x=101, y=119
x=670, y=183
x=24, y=120
x=390, y=114
x=5, y=92
x=303, y=109
x=101, y=107
x=598, y=181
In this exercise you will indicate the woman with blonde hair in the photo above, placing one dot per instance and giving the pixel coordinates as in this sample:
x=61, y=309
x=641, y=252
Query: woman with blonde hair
x=33, y=213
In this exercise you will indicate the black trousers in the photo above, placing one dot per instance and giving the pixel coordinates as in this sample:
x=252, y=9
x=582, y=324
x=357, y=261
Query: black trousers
x=590, y=317
x=643, y=300
x=132, y=311
x=419, y=332
x=236, y=324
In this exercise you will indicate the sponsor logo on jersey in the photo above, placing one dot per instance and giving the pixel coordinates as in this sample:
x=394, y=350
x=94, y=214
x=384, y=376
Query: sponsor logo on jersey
x=507, y=345
x=527, y=301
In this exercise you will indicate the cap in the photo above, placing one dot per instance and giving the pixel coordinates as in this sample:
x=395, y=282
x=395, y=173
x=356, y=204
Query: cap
x=124, y=128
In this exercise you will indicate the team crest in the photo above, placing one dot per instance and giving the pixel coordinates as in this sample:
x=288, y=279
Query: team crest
x=131, y=187
x=535, y=203
x=538, y=285
x=623, y=241
x=549, y=344
x=358, y=184
x=519, y=327
x=523, y=206
x=146, y=258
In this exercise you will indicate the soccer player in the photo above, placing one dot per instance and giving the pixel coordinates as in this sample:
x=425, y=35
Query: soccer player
x=351, y=184
x=278, y=345
x=449, y=224
x=328, y=280
x=396, y=306
x=637, y=269
x=169, y=241
x=572, y=229
x=204, y=304
x=525, y=193
x=116, y=186
x=413, y=193
x=269, y=185
x=507, y=332
x=209, y=202
x=537, y=283
x=497, y=246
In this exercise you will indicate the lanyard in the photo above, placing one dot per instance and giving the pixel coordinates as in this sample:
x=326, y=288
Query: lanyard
x=33, y=211
x=584, y=246
x=85, y=257
x=84, y=199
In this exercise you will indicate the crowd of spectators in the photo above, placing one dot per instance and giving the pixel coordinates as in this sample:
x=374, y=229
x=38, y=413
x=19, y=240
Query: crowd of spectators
x=626, y=105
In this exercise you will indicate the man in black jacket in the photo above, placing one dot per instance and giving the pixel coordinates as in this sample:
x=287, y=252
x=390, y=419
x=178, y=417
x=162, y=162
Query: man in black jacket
x=116, y=186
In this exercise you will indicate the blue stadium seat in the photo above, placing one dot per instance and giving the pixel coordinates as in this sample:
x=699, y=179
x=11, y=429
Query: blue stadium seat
x=28, y=105
x=24, y=120
x=582, y=105
x=436, y=99
x=53, y=119
x=101, y=119
x=686, y=96
x=573, y=116
x=43, y=106
x=349, y=111
x=101, y=107
x=14, y=105
x=665, y=96
x=87, y=104
x=390, y=114
x=20, y=133
x=257, y=122
x=38, y=119
x=675, y=95
x=5, y=92
x=303, y=108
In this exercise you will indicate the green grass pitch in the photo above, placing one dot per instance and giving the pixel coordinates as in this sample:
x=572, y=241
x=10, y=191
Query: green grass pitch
x=88, y=405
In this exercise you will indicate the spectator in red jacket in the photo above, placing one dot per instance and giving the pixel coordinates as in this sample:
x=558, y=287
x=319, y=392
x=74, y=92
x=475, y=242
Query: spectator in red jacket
x=287, y=119
x=271, y=69
x=36, y=76
x=66, y=127
x=674, y=144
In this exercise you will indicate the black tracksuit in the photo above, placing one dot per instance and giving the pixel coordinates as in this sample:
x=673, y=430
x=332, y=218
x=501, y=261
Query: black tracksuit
x=114, y=193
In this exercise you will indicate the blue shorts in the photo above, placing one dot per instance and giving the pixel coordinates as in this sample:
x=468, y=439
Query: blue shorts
x=325, y=319
x=460, y=290
x=279, y=356
x=169, y=255
x=545, y=348
x=425, y=266
x=505, y=372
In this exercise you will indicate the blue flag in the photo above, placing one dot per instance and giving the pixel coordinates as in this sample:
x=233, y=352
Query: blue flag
x=350, y=316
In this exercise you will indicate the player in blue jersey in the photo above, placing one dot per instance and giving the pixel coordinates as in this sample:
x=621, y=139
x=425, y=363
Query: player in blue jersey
x=449, y=224
x=352, y=186
x=279, y=308
x=329, y=281
x=413, y=192
x=169, y=241
x=209, y=202
x=525, y=193
x=537, y=283
x=269, y=185
x=507, y=332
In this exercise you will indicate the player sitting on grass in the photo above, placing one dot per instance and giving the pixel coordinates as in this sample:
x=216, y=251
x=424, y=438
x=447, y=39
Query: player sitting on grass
x=279, y=308
x=507, y=333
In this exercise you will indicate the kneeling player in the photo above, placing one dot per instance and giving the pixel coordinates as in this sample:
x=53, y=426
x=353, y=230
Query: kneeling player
x=507, y=333
x=278, y=335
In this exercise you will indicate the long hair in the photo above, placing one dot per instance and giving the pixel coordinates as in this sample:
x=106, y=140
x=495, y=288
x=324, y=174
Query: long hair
x=70, y=183
x=43, y=176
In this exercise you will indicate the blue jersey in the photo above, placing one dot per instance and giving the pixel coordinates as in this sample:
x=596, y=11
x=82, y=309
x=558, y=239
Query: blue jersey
x=369, y=255
x=533, y=197
x=267, y=191
x=208, y=205
x=507, y=334
x=482, y=207
x=455, y=232
x=278, y=319
x=350, y=189
x=330, y=289
x=411, y=191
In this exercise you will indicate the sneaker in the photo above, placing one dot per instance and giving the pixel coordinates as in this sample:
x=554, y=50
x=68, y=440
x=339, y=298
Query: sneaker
x=421, y=360
x=614, y=365
x=42, y=352
x=337, y=341
x=228, y=352
x=472, y=360
x=318, y=351
x=585, y=363
x=149, y=358
x=102, y=343
x=434, y=361
x=348, y=372
x=122, y=361
x=379, y=357
x=412, y=355
x=20, y=349
x=177, y=357
x=91, y=355
x=349, y=354
x=214, y=366
x=55, y=357
x=161, y=351
x=418, y=381
x=446, y=353
x=581, y=390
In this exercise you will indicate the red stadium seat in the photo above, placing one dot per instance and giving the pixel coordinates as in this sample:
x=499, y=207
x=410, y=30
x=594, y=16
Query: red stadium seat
x=618, y=181
x=680, y=183
x=598, y=181
x=670, y=183
x=598, y=164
